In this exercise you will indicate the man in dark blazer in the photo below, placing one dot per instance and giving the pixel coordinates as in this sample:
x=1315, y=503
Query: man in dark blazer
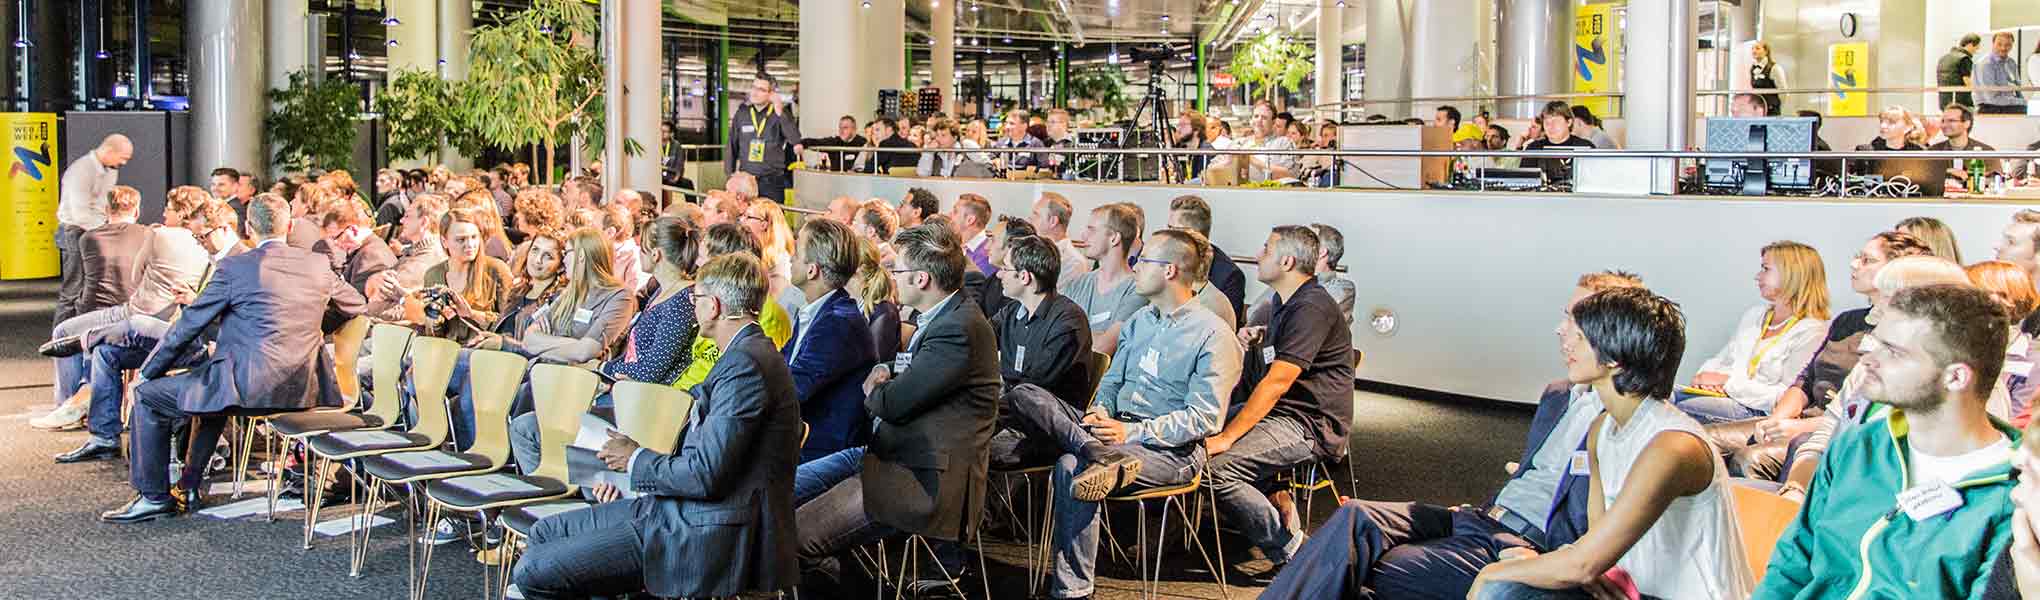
x=831, y=348
x=935, y=407
x=112, y=252
x=272, y=306
x=716, y=518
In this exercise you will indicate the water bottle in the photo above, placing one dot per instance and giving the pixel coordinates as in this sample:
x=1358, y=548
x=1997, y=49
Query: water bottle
x=1976, y=176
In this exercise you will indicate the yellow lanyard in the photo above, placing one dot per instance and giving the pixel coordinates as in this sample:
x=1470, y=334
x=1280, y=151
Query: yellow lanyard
x=1763, y=347
x=756, y=125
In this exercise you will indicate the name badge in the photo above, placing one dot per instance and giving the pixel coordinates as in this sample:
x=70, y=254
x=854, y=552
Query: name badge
x=1268, y=355
x=1929, y=501
x=1579, y=466
x=1151, y=363
x=1020, y=358
x=901, y=361
x=2018, y=367
x=747, y=129
x=757, y=152
x=583, y=316
x=1100, y=318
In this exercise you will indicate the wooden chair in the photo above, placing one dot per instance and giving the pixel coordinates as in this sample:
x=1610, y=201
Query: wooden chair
x=346, y=355
x=432, y=364
x=1762, y=516
x=388, y=344
x=1176, y=495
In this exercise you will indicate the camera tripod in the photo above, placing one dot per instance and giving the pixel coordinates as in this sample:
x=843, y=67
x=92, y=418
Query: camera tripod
x=1155, y=106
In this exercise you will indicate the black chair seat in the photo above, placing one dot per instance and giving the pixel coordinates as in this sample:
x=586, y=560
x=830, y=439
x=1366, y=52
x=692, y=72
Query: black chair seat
x=471, y=492
x=342, y=444
x=393, y=467
x=522, y=518
x=308, y=423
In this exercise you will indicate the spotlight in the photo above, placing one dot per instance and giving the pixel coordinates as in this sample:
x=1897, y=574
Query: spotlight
x=21, y=42
x=867, y=3
x=392, y=22
x=101, y=55
x=1165, y=18
x=1339, y=4
x=391, y=43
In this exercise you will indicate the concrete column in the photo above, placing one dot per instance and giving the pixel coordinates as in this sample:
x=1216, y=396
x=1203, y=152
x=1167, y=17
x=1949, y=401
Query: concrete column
x=885, y=44
x=1657, y=80
x=454, y=24
x=224, y=47
x=1388, y=29
x=416, y=35
x=1331, y=30
x=1534, y=44
x=285, y=40
x=1444, y=64
x=632, y=69
x=831, y=64
x=942, y=60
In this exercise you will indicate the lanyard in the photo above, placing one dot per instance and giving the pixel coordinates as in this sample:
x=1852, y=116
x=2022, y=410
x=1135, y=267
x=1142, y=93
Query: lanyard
x=757, y=125
x=1763, y=347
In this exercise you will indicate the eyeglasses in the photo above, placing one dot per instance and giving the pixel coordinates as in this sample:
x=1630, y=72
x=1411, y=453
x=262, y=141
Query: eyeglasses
x=1153, y=261
x=752, y=218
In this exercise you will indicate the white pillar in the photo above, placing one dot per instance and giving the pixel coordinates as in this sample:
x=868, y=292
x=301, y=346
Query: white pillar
x=416, y=39
x=224, y=45
x=1444, y=64
x=631, y=67
x=1331, y=30
x=285, y=40
x=831, y=65
x=454, y=24
x=942, y=60
x=885, y=37
x=1388, y=24
x=1534, y=52
x=1657, y=79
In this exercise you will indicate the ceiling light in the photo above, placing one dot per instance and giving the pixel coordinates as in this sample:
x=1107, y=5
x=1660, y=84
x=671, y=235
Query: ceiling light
x=101, y=55
x=392, y=22
x=1165, y=18
x=1340, y=4
x=867, y=3
x=391, y=43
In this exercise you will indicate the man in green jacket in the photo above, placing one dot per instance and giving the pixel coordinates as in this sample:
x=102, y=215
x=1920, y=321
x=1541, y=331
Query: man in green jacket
x=1915, y=505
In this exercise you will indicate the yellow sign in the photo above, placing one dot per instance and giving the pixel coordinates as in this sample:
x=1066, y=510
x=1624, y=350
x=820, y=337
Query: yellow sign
x=1848, y=75
x=28, y=224
x=1595, y=54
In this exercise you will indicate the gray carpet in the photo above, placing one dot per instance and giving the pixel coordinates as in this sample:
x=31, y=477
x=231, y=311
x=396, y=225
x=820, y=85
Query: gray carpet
x=52, y=546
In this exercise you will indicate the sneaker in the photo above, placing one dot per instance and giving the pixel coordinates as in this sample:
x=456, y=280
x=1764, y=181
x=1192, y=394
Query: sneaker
x=448, y=530
x=1109, y=470
x=67, y=416
x=513, y=592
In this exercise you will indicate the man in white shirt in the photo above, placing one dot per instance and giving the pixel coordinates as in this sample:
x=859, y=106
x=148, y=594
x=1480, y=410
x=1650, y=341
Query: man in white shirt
x=81, y=205
x=1051, y=219
x=1267, y=135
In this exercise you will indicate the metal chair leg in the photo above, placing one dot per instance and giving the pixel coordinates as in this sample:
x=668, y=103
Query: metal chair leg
x=314, y=495
x=424, y=571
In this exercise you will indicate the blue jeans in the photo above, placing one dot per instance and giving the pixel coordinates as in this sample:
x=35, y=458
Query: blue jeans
x=1510, y=590
x=1709, y=410
x=109, y=360
x=818, y=475
x=72, y=370
x=1275, y=445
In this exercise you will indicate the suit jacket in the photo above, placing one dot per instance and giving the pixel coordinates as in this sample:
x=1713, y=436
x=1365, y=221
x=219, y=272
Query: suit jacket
x=111, y=255
x=374, y=256
x=1568, y=520
x=304, y=234
x=1229, y=279
x=717, y=517
x=273, y=306
x=836, y=353
x=935, y=427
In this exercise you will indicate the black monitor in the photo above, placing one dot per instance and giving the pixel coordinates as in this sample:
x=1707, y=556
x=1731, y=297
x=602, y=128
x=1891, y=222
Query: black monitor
x=1759, y=134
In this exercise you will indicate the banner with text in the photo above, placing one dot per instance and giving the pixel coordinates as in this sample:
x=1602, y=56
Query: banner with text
x=1848, y=75
x=1596, y=51
x=28, y=224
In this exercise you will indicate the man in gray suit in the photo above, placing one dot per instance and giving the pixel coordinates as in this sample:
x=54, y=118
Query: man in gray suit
x=272, y=307
x=716, y=517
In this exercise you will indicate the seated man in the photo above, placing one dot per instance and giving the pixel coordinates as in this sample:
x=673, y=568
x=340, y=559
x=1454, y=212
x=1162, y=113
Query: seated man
x=1107, y=292
x=724, y=493
x=270, y=306
x=1302, y=401
x=1413, y=550
x=1166, y=390
x=1669, y=530
x=925, y=467
x=111, y=265
x=1049, y=327
x=831, y=347
x=1914, y=504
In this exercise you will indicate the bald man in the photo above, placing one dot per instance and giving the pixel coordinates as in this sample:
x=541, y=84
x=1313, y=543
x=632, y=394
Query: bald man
x=81, y=205
x=843, y=209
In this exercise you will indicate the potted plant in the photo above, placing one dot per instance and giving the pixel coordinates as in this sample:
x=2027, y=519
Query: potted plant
x=536, y=79
x=311, y=123
x=1268, y=62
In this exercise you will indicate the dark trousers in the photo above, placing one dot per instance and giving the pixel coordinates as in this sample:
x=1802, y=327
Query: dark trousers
x=2002, y=109
x=583, y=553
x=772, y=185
x=1394, y=550
x=156, y=413
x=71, y=269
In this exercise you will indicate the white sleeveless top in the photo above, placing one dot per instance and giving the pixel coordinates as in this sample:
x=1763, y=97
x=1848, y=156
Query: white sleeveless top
x=1694, y=551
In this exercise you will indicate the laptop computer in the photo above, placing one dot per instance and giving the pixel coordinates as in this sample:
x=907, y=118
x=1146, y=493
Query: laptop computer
x=1928, y=174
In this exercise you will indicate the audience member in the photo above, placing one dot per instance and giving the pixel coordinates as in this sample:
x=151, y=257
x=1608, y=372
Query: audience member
x=1669, y=530
x=886, y=135
x=110, y=254
x=1773, y=341
x=1936, y=234
x=1958, y=68
x=1942, y=462
x=723, y=492
x=477, y=282
x=81, y=205
x=919, y=204
x=1557, y=121
x=267, y=357
x=972, y=215
x=1108, y=294
x=1897, y=129
x=843, y=210
x=1193, y=213
x=873, y=289
x=942, y=136
x=537, y=275
x=1051, y=220
x=1056, y=330
x=729, y=238
x=2020, y=242
x=355, y=249
x=1588, y=126
x=1268, y=135
x=2000, y=69
x=1300, y=405
x=588, y=317
x=2012, y=289
x=832, y=347
x=619, y=228
x=767, y=223
x=876, y=222
x=846, y=135
x=1013, y=134
x=1331, y=249
x=419, y=249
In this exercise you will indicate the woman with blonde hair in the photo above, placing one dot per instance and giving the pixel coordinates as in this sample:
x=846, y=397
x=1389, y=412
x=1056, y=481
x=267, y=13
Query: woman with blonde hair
x=1772, y=343
x=1938, y=236
x=1897, y=129
x=2012, y=287
x=478, y=281
x=767, y=223
x=873, y=288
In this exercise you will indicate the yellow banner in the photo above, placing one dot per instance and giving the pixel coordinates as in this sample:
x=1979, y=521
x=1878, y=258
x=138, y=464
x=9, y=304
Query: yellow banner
x=1849, y=75
x=28, y=224
x=1595, y=54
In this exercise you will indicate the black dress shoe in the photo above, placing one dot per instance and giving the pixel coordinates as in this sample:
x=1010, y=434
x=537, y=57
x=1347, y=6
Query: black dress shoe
x=1109, y=470
x=89, y=452
x=70, y=345
x=139, y=510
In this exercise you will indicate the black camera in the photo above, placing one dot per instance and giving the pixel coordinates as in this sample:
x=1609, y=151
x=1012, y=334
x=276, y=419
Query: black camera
x=438, y=301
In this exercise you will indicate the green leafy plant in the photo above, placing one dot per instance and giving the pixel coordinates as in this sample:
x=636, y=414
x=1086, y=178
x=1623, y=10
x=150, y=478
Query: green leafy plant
x=311, y=123
x=1269, y=63
x=423, y=111
x=536, y=79
x=1104, y=87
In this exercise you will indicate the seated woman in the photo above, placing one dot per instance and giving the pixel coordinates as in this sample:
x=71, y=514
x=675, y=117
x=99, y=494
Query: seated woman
x=1939, y=237
x=767, y=224
x=726, y=238
x=1772, y=344
x=477, y=281
x=873, y=288
x=1897, y=129
x=2012, y=287
x=537, y=270
x=655, y=349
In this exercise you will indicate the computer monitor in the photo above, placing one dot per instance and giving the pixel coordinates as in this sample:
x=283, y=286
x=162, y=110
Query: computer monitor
x=1759, y=134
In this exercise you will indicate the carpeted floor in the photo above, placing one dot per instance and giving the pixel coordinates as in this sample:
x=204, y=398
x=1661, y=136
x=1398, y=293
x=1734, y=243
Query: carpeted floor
x=52, y=546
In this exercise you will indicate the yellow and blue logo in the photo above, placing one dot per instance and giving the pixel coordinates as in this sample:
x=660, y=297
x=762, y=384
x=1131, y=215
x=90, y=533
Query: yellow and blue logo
x=31, y=162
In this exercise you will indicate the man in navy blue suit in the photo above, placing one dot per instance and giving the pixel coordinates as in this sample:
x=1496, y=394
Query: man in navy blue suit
x=273, y=307
x=1372, y=549
x=831, y=348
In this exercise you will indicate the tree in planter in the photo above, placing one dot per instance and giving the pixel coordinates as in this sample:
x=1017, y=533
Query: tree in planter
x=536, y=79
x=1104, y=87
x=1268, y=62
x=311, y=123
x=423, y=111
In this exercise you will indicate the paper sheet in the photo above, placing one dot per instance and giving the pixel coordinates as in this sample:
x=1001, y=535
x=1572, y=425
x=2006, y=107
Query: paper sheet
x=431, y=459
x=366, y=438
x=495, y=483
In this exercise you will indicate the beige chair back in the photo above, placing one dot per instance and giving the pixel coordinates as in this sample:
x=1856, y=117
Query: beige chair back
x=1100, y=363
x=493, y=378
x=386, y=344
x=651, y=414
x=561, y=394
x=1762, y=516
x=432, y=363
x=347, y=355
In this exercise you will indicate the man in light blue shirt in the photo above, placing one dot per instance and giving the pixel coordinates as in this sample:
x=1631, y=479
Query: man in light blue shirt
x=1998, y=68
x=1166, y=390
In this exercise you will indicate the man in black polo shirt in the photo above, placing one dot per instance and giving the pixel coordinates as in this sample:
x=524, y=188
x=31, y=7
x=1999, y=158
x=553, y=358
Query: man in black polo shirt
x=1044, y=341
x=1302, y=403
x=888, y=137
